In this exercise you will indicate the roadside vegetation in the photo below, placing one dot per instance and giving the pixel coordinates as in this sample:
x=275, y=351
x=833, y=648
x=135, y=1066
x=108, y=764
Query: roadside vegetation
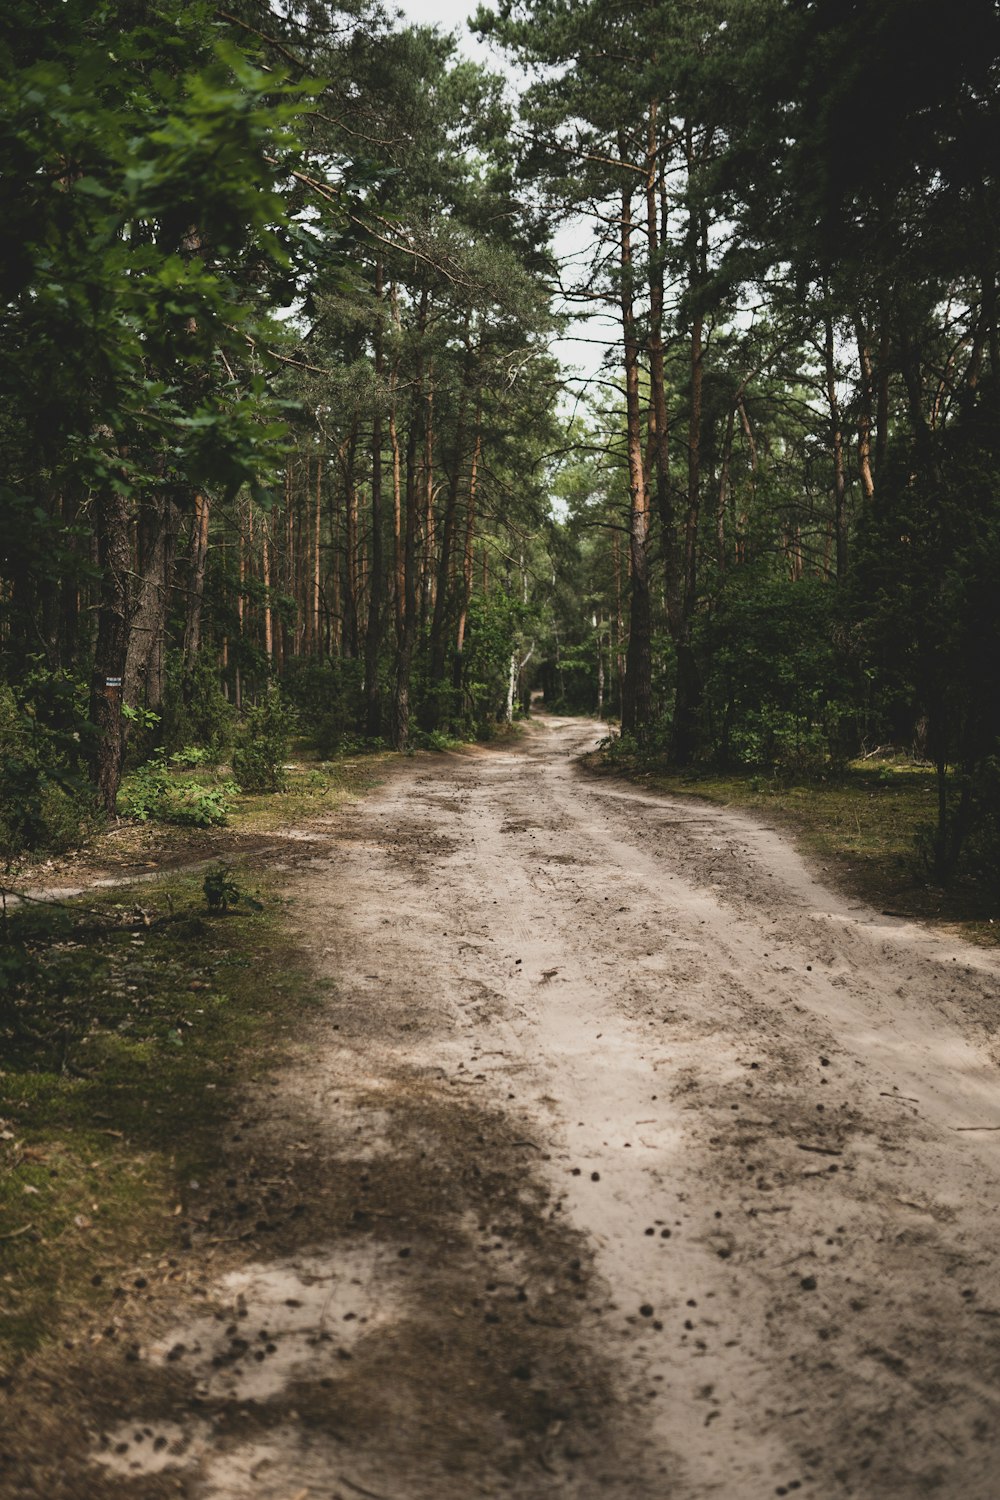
x=867, y=827
x=132, y=1023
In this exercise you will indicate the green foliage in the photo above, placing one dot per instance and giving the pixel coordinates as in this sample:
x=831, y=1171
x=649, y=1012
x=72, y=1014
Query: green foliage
x=328, y=700
x=44, y=802
x=221, y=890
x=258, y=760
x=141, y=718
x=495, y=630
x=143, y=792
x=981, y=854
x=775, y=684
x=153, y=793
x=196, y=712
x=129, y=274
x=432, y=739
x=928, y=600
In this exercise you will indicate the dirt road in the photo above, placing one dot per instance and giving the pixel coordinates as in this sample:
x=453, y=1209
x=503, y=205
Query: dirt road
x=638, y=1164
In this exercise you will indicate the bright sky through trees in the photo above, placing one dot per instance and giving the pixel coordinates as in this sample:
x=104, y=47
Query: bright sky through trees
x=581, y=350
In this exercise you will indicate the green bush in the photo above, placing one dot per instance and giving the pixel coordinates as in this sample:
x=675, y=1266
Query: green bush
x=152, y=794
x=45, y=802
x=196, y=712
x=776, y=688
x=328, y=700
x=982, y=850
x=258, y=760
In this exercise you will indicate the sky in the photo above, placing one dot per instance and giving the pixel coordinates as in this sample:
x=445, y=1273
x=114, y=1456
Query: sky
x=450, y=15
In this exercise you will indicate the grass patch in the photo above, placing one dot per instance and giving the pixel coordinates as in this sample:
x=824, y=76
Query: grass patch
x=127, y=1025
x=315, y=788
x=205, y=797
x=860, y=827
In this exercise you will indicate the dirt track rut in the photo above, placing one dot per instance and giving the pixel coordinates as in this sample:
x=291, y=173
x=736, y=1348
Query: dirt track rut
x=649, y=1167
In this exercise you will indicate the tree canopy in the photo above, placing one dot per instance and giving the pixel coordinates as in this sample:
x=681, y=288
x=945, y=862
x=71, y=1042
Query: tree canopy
x=282, y=413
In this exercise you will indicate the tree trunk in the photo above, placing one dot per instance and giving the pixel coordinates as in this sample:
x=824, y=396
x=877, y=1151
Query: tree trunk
x=316, y=635
x=350, y=550
x=407, y=642
x=373, y=633
x=638, y=671
x=720, y=510
x=866, y=417
x=196, y=582
x=687, y=699
x=442, y=595
x=468, y=557
x=427, y=560
x=143, y=676
x=114, y=554
x=268, y=617
x=837, y=451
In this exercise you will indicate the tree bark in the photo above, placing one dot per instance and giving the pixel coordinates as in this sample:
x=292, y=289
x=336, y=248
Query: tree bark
x=350, y=637
x=157, y=534
x=114, y=554
x=373, y=632
x=468, y=556
x=196, y=582
x=866, y=417
x=408, y=636
x=638, y=670
x=837, y=453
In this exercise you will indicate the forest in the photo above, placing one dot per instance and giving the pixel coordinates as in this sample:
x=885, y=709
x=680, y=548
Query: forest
x=285, y=447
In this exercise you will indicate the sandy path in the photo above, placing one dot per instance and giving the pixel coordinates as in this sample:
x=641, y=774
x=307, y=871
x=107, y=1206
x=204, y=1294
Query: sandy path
x=653, y=1168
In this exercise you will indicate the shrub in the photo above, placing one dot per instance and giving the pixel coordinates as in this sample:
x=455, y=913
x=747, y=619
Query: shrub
x=258, y=761
x=45, y=803
x=197, y=712
x=328, y=700
x=151, y=793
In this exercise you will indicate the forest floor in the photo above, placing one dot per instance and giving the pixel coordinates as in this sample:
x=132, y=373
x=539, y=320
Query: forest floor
x=621, y=1158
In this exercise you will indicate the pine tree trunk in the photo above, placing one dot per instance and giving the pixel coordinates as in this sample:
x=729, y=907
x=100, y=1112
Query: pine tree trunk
x=196, y=581
x=351, y=640
x=468, y=555
x=638, y=672
x=143, y=675
x=837, y=453
x=268, y=584
x=408, y=637
x=316, y=632
x=373, y=632
x=114, y=552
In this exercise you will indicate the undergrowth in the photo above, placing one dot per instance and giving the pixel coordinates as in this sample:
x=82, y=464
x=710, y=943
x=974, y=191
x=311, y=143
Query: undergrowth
x=127, y=1025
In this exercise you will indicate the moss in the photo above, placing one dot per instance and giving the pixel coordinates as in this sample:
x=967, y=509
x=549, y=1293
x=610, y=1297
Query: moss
x=126, y=1032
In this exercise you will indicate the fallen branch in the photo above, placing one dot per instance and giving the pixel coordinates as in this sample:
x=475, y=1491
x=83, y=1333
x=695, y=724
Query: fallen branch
x=824, y=1150
x=15, y=1234
x=359, y=1489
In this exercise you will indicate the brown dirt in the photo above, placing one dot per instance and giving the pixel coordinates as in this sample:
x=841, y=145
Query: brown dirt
x=624, y=1160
